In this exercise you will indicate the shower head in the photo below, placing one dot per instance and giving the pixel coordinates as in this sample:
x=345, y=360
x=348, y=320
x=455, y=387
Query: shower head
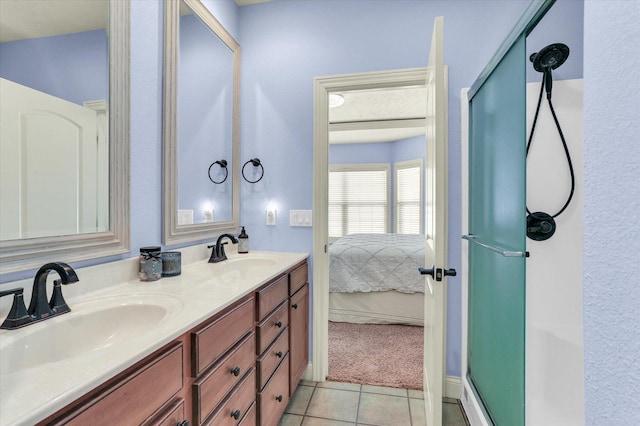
x=547, y=59
x=550, y=57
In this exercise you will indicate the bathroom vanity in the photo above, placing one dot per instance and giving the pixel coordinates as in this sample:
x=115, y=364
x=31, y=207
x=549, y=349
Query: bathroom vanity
x=236, y=361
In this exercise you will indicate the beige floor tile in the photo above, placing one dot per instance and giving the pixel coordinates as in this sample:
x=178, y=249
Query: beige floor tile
x=334, y=404
x=417, y=394
x=290, y=420
x=300, y=400
x=385, y=410
x=314, y=421
x=452, y=415
x=384, y=390
x=417, y=412
x=307, y=383
x=340, y=385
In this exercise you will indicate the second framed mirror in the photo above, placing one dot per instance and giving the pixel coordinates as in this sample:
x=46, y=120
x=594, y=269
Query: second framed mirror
x=201, y=107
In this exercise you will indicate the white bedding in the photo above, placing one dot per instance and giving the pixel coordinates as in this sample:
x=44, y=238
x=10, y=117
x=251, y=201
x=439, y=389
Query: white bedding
x=376, y=262
x=388, y=307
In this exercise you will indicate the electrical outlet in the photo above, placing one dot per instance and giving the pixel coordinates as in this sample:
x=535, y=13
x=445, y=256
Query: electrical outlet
x=271, y=217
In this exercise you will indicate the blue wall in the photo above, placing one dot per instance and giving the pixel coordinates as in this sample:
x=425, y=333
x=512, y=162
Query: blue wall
x=611, y=206
x=73, y=67
x=288, y=43
x=285, y=44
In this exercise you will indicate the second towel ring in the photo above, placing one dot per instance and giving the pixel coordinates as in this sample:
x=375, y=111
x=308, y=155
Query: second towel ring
x=256, y=163
x=223, y=165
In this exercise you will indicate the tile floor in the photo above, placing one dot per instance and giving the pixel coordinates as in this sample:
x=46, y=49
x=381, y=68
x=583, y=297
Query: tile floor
x=343, y=404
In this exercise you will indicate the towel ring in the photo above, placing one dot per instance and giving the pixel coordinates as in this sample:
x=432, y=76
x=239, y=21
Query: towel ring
x=223, y=165
x=256, y=163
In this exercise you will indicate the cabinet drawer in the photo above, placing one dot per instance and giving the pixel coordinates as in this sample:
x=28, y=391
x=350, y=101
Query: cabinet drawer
x=249, y=419
x=271, y=327
x=270, y=359
x=275, y=396
x=209, y=390
x=172, y=416
x=238, y=404
x=219, y=336
x=298, y=277
x=271, y=296
x=134, y=399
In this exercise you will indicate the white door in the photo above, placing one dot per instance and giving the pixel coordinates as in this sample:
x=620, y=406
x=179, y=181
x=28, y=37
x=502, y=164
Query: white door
x=435, y=230
x=50, y=164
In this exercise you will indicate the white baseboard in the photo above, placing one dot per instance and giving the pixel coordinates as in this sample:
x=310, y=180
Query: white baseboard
x=472, y=407
x=308, y=373
x=452, y=387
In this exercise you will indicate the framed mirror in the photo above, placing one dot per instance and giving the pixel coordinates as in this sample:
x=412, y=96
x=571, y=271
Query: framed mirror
x=201, y=107
x=64, y=131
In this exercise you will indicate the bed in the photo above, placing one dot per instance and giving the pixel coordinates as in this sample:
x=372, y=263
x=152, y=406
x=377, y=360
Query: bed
x=374, y=279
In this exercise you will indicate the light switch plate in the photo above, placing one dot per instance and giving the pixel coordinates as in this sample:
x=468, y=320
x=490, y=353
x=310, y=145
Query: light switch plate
x=300, y=218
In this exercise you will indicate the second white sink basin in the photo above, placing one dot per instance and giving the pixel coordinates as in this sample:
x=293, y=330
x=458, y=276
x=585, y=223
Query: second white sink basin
x=90, y=326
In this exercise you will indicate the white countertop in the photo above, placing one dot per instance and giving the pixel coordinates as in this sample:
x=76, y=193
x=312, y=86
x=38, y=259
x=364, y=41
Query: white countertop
x=203, y=289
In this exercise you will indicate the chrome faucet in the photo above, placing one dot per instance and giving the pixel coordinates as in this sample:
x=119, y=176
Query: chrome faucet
x=39, y=308
x=217, y=252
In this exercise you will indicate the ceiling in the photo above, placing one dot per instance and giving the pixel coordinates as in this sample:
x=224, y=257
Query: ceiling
x=21, y=19
x=380, y=115
x=247, y=2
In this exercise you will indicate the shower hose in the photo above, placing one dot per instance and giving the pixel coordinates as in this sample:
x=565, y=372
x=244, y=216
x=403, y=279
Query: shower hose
x=564, y=143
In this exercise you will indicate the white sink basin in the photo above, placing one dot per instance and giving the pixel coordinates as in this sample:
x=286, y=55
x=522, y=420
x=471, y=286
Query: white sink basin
x=90, y=326
x=238, y=267
x=247, y=263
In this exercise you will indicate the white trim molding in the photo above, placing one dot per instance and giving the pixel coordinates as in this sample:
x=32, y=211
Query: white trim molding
x=322, y=87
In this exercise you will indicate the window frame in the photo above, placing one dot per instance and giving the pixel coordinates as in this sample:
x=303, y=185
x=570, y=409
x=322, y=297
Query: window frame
x=402, y=165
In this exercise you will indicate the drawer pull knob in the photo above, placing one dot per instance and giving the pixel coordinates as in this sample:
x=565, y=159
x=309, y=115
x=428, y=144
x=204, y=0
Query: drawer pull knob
x=294, y=306
x=235, y=371
x=184, y=423
x=235, y=414
x=279, y=354
x=279, y=398
x=279, y=324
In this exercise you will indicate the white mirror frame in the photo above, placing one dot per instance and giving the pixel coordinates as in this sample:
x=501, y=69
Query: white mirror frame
x=21, y=255
x=172, y=233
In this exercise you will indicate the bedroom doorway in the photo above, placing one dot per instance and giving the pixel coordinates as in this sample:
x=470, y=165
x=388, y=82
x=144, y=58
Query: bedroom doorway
x=360, y=86
x=435, y=212
x=376, y=236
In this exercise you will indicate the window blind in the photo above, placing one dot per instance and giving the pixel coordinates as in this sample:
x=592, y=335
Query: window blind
x=358, y=199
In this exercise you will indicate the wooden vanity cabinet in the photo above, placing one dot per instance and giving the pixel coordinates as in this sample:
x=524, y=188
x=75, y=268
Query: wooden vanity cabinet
x=223, y=366
x=148, y=393
x=239, y=367
x=298, y=324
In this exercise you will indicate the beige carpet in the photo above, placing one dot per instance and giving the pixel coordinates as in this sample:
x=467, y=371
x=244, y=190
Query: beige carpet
x=373, y=354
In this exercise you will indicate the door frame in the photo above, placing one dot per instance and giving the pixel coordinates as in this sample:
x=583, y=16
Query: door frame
x=323, y=86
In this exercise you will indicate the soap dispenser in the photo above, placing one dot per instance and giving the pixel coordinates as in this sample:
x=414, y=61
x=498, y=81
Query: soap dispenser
x=243, y=242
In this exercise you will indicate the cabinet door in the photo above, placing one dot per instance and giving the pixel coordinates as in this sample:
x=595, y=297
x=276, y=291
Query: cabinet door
x=135, y=397
x=298, y=335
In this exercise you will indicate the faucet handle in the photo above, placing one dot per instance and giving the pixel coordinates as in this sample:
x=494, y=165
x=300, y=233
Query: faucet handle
x=18, y=315
x=57, y=302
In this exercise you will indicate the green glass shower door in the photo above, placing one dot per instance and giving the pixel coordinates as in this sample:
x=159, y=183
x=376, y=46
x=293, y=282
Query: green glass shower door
x=497, y=211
